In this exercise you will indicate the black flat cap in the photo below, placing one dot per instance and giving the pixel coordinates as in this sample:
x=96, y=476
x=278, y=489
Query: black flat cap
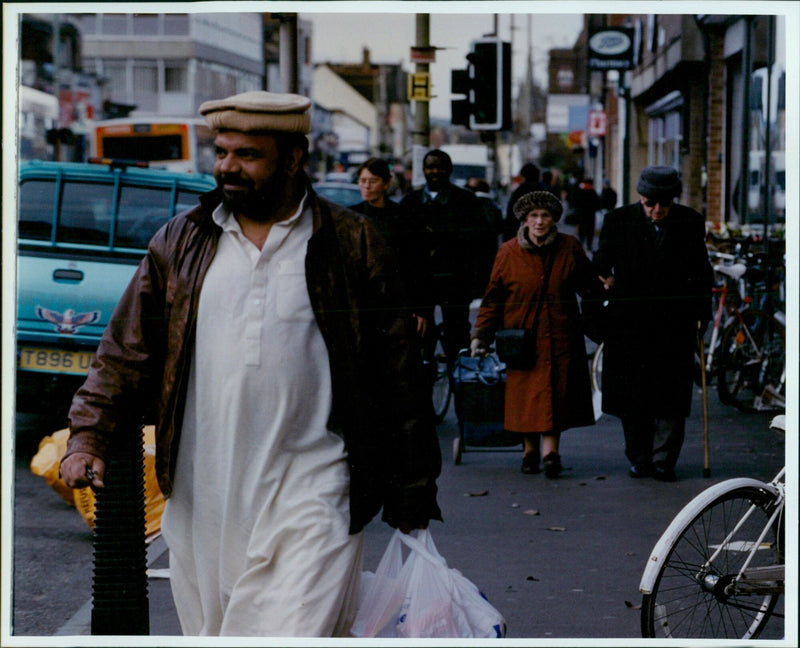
x=659, y=181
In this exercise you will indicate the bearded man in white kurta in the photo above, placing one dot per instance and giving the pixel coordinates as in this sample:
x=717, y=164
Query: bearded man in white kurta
x=267, y=496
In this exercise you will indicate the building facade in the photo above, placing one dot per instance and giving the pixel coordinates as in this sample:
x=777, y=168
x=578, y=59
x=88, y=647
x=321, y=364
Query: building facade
x=366, y=106
x=706, y=95
x=168, y=64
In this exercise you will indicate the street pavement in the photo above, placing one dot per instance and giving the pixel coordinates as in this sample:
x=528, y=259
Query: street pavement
x=561, y=559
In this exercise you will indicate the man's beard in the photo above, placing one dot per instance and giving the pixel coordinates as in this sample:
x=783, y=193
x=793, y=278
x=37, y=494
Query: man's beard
x=257, y=204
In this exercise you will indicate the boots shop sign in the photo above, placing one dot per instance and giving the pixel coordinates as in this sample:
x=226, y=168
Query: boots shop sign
x=611, y=49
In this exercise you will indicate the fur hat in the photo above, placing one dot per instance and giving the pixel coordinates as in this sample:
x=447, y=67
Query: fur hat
x=259, y=111
x=658, y=182
x=538, y=200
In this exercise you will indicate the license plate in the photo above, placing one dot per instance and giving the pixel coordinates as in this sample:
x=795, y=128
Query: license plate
x=54, y=360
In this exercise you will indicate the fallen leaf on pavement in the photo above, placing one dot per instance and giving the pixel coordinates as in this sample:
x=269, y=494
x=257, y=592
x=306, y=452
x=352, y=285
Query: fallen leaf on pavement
x=532, y=578
x=532, y=512
x=556, y=528
x=631, y=606
x=478, y=494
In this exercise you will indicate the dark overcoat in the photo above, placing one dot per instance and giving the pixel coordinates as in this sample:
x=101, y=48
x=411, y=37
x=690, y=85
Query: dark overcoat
x=556, y=393
x=662, y=289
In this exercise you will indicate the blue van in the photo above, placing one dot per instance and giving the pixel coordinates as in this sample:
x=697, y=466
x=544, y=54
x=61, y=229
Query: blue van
x=82, y=228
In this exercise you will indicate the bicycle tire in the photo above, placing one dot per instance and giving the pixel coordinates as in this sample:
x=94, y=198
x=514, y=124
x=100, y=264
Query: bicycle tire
x=687, y=602
x=442, y=388
x=752, y=355
x=597, y=369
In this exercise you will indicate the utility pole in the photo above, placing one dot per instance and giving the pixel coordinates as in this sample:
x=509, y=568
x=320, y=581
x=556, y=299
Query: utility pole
x=527, y=104
x=422, y=108
x=625, y=93
x=422, y=128
x=288, y=52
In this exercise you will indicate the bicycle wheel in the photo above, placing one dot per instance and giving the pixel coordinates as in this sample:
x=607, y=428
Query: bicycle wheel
x=597, y=369
x=751, y=359
x=692, y=598
x=442, y=390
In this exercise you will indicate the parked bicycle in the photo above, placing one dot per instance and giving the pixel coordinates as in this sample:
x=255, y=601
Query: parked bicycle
x=718, y=570
x=745, y=348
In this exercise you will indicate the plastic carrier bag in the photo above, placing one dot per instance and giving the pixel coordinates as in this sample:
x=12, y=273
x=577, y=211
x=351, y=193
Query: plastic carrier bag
x=422, y=597
x=46, y=463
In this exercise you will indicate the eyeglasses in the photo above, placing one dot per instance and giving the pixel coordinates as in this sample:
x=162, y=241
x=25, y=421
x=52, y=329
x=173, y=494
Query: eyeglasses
x=371, y=182
x=652, y=202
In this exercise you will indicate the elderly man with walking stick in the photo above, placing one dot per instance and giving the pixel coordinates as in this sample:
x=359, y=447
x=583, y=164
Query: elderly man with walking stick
x=653, y=261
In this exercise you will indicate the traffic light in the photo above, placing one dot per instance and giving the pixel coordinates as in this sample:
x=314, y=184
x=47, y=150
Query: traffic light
x=487, y=84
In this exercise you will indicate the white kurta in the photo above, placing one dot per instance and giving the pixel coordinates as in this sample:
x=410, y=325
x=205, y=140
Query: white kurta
x=257, y=525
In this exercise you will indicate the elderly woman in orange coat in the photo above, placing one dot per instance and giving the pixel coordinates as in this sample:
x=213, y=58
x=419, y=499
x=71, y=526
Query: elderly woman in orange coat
x=555, y=394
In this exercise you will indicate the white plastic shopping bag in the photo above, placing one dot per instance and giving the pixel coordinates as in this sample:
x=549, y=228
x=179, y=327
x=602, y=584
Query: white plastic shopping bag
x=440, y=601
x=422, y=597
x=382, y=594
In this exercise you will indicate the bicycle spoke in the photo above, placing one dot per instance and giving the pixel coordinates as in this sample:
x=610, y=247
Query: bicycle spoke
x=695, y=594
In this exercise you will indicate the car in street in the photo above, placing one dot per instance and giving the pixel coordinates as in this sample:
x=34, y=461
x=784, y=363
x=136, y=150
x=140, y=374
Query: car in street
x=83, y=228
x=343, y=193
x=339, y=176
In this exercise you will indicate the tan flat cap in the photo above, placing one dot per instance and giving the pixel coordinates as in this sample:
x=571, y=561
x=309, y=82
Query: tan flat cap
x=259, y=111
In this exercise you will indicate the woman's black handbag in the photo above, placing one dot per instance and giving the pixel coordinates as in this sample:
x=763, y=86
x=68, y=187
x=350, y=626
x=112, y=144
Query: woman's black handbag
x=516, y=347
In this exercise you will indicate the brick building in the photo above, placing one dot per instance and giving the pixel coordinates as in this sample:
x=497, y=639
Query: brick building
x=706, y=95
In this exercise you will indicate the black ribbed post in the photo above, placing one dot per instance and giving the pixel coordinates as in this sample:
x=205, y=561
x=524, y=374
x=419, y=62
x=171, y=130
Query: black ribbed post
x=119, y=594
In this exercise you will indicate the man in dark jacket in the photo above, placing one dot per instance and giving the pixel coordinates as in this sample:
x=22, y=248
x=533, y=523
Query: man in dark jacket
x=653, y=260
x=608, y=197
x=585, y=205
x=454, y=239
x=263, y=325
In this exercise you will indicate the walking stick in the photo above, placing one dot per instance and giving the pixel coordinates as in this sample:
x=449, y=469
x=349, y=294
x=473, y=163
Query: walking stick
x=706, y=469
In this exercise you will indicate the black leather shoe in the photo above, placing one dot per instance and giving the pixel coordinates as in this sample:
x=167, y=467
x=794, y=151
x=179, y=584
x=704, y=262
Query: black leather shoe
x=664, y=474
x=640, y=471
x=530, y=464
x=552, y=465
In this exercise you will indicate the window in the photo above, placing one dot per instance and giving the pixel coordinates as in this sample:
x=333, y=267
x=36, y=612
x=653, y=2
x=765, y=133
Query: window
x=85, y=213
x=145, y=77
x=36, y=200
x=175, y=77
x=88, y=23
x=565, y=78
x=666, y=130
x=116, y=72
x=142, y=210
x=186, y=200
x=176, y=24
x=145, y=85
x=114, y=24
x=149, y=148
x=666, y=134
x=145, y=24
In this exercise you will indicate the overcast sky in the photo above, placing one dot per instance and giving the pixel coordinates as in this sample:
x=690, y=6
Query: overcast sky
x=340, y=37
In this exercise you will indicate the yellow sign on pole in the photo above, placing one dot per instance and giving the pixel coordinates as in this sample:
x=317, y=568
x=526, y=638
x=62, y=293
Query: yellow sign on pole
x=419, y=86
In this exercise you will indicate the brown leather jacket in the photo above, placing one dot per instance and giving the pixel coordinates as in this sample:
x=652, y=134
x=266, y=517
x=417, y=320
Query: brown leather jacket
x=380, y=404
